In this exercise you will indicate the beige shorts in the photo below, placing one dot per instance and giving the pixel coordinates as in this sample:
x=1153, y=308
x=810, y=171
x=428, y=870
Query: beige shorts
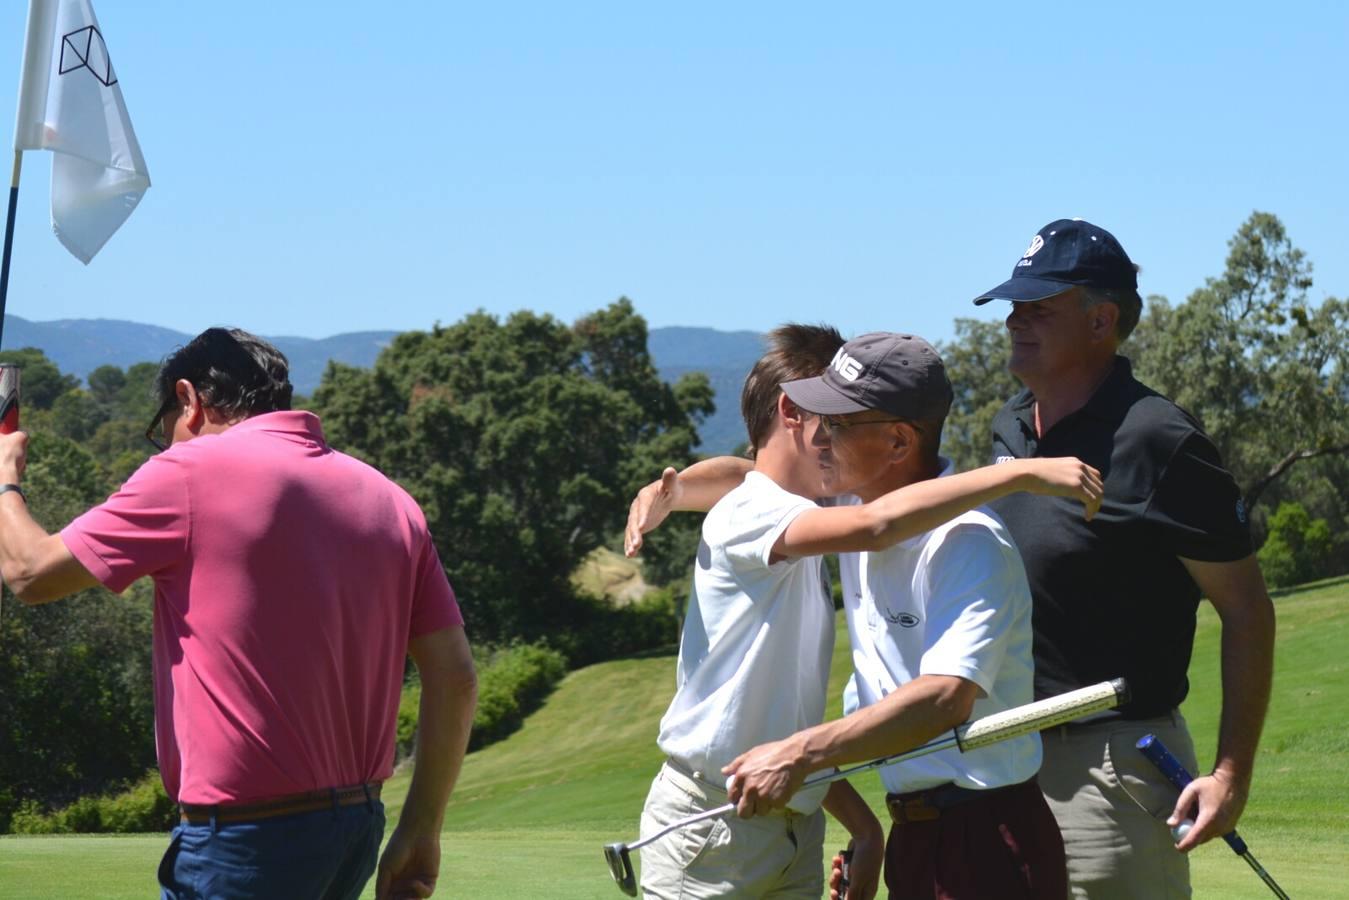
x=1111, y=805
x=780, y=855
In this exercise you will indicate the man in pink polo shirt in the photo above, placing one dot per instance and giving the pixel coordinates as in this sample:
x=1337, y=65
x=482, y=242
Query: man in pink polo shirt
x=291, y=583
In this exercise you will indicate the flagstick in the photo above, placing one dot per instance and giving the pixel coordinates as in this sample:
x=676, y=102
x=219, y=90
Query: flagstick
x=9, y=238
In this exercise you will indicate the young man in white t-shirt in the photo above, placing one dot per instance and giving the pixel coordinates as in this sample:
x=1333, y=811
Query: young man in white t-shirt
x=749, y=610
x=754, y=658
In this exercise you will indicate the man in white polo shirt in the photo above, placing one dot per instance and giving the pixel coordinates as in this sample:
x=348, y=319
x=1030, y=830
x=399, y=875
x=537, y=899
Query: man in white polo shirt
x=754, y=658
x=941, y=632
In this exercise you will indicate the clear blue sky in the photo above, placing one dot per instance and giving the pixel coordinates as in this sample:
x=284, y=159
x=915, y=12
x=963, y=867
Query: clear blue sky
x=321, y=168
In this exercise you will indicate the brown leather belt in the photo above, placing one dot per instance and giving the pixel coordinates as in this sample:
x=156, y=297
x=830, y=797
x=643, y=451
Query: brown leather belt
x=289, y=805
x=928, y=804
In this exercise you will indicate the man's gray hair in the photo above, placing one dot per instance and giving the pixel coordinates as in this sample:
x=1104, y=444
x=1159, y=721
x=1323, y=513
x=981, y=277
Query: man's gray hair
x=1126, y=300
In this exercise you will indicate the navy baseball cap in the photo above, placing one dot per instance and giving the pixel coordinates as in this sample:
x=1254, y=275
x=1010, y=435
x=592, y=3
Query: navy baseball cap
x=896, y=373
x=1065, y=253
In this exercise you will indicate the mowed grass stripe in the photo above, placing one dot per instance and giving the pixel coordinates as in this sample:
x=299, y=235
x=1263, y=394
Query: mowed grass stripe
x=531, y=813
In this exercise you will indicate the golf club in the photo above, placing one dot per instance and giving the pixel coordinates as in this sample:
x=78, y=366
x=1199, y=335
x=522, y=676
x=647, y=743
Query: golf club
x=1161, y=757
x=1009, y=723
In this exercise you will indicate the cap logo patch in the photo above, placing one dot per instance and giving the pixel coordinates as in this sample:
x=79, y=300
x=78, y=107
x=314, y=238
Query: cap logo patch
x=1035, y=244
x=846, y=366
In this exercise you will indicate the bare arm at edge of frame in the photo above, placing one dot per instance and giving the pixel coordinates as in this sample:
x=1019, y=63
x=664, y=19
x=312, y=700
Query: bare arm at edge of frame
x=695, y=489
x=1238, y=594
x=411, y=860
x=918, y=508
x=38, y=567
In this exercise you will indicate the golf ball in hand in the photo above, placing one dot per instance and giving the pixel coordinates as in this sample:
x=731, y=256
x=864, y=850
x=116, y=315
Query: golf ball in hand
x=1178, y=833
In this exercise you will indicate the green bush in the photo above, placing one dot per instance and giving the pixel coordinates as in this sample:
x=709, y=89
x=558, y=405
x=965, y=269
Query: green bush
x=598, y=630
x=142, y=807
x=407, y=716
x=512, y=682
x=498, y=714
x=1298, y=548
x=27, y=818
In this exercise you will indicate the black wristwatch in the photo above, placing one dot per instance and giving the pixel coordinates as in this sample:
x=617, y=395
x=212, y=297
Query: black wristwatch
x=6, y=488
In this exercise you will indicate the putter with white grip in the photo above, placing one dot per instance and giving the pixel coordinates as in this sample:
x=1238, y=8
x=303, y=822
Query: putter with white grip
x=1001, y=726
x=1171, y=767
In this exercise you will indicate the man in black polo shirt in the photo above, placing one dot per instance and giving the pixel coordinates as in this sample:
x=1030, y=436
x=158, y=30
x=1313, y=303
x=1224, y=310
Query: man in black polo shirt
x=1117, y=595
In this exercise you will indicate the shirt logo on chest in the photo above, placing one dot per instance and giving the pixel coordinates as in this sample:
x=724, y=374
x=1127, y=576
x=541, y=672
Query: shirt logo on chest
x=903, y=620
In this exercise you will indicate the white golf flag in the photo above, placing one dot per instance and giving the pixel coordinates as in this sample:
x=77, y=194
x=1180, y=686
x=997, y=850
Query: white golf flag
x=70, y=103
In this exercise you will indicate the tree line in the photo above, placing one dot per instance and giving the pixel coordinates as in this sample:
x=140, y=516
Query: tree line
x=524, y=437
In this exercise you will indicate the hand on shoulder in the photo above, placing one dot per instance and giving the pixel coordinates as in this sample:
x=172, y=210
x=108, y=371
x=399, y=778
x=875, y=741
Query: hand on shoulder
x=1065, y=476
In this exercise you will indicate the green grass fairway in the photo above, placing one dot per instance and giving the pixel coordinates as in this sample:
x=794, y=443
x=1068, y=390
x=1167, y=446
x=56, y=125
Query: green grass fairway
x=531, y=813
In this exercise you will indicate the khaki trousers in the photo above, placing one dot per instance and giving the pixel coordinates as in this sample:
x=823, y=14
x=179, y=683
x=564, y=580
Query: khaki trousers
x=1111, y=805
x=778, y=856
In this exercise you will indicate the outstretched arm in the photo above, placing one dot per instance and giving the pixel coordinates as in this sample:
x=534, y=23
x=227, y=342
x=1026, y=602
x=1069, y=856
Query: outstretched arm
x=1237, y=592
x=38, y=567
x=697, y=489
x=411, y=860
x=920, y=507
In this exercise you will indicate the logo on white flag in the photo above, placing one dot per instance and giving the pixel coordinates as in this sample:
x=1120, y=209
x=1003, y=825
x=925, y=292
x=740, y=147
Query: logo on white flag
x=84, y=49
x=98, y=172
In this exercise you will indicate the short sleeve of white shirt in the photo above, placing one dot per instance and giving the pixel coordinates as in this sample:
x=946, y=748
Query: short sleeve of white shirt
x=759, y=518
x=969, y=617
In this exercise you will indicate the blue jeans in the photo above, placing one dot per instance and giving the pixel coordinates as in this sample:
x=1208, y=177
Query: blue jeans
x=324, y=855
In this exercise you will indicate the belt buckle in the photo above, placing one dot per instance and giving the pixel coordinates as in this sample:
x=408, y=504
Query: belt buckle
x=916, y=809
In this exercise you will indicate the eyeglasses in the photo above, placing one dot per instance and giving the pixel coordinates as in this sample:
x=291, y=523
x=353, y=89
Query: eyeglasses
x=156, y=425
x=830, y=424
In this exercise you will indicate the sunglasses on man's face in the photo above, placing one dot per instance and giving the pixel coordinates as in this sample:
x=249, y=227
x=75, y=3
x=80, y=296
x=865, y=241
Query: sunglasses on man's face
x=157, y=426
x=833, y=424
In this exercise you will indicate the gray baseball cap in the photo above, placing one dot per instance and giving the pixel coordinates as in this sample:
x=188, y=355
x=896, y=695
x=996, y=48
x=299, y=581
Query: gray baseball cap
x=900, y=374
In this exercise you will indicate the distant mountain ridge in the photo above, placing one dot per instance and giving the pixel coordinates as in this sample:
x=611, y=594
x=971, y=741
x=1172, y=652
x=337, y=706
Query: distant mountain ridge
x=79, y=346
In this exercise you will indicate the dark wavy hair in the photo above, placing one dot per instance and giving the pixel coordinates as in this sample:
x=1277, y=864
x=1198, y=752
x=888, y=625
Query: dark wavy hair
x=234, y=372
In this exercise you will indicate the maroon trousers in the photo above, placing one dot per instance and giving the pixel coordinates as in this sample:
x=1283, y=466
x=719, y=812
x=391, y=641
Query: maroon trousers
x=1002, y=844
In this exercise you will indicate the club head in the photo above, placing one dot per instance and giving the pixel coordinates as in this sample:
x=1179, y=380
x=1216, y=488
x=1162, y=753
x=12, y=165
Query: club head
x=620, y=866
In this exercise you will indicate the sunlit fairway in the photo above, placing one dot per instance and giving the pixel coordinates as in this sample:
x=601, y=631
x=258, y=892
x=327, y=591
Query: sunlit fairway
x=531, y=813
